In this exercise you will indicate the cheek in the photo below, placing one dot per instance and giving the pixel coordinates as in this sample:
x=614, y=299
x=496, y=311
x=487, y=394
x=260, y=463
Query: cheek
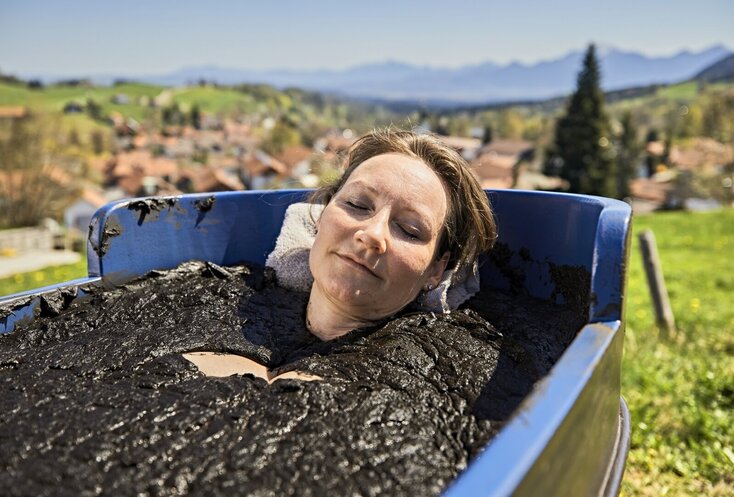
x=329, y=236
x=412, y=261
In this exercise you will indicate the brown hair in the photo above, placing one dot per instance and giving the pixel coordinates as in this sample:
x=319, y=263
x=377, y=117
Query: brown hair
x=470, y=228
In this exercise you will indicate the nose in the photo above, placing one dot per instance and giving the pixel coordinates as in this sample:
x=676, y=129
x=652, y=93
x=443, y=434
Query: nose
x=374, y=231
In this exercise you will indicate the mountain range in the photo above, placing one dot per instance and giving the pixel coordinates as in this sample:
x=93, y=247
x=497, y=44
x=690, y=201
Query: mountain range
x=487, y=82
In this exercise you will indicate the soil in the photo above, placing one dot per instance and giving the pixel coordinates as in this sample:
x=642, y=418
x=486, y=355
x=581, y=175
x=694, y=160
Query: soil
x=96, y=398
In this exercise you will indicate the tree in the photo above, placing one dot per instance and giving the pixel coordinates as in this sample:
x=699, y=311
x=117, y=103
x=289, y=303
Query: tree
x=32, y=187
x=195, y=116
x=281, y=137
x=487, y=135
x=582, y=151
x=172, y=115
x=98, y=141
x=628, y=154
x=510, y=124
x=94, y=110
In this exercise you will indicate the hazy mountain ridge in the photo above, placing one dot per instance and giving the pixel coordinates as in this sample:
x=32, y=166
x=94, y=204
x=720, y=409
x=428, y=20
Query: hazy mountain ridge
x=723, y=70
x=480, y=83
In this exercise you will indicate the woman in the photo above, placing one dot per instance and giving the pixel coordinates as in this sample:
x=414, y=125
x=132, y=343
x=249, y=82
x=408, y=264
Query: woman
x=406, y=208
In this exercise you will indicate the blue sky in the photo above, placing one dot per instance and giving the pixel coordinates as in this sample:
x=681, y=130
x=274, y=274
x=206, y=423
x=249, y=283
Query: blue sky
x=134, y=37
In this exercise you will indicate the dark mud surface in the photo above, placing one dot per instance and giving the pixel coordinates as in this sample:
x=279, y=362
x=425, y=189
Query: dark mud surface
x=95, y=397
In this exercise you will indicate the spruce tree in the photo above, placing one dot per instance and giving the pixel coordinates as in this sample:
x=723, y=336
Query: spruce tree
x=628, y=155
x=582, y=152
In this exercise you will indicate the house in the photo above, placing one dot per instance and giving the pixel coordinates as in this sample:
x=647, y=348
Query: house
x=73, y=108
x=698, y=153
x=79, y=214
x=120, y=99
x=13, y=112
x=336, y=143
x=209, y=179
x=239, y=135
x=137, y=172
x=467, y=147
x=261, y=171
x=649, y=194
x=497, y=164
x=297, y=159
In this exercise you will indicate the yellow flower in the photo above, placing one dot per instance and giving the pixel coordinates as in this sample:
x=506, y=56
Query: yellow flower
x=695, y=304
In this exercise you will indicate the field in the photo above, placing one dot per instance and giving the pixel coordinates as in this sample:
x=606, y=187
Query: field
x=680, y=389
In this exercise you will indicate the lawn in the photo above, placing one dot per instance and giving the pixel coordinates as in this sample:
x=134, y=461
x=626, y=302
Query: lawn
x=44, y=277
x=680, y=389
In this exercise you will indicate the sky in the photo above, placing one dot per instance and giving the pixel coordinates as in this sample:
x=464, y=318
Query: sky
x=150, y=37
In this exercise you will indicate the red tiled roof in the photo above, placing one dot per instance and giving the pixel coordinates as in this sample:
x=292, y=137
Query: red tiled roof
x=142, y=162
x=492, y=166
x=504, y=146
x=293, y=155
x=461, y=143
x=93, y=196
x=648, y=189
x=209, y=179
x=13, y=112
x=259, y=163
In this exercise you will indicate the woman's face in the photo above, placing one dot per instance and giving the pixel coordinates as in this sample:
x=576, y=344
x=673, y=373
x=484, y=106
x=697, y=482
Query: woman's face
x=377, y=238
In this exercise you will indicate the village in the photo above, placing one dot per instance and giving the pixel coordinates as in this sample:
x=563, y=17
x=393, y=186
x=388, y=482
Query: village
x=224, y=154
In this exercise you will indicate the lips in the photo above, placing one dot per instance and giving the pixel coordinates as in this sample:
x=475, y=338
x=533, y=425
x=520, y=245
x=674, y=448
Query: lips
x=359, y=266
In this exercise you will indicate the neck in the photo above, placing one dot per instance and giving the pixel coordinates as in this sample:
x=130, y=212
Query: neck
x=326, y=320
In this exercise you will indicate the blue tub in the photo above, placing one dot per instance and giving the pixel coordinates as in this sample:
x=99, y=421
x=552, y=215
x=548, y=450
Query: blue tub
x=569, y=437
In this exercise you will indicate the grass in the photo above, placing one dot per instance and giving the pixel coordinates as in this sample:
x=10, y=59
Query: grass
x=681, y=91
x=680, y=389
x=43, y=277
x=53, y=98
x=214, y=100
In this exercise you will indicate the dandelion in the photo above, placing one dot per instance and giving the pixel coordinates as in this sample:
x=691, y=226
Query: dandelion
x=38, y=276
x=695, y=304
x=641, y=314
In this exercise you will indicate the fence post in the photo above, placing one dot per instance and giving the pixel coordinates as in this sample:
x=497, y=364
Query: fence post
x=656, y=282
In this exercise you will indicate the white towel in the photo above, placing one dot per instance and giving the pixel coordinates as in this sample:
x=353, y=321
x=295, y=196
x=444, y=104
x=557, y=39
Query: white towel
x=451, y=292
x=289, y=259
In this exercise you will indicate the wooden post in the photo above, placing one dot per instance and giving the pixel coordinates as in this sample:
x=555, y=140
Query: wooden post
x=656, y=282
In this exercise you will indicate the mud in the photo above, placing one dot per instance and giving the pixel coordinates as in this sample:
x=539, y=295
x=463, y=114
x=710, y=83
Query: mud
x=111, y=229
x=96, y=398
x=151, y=206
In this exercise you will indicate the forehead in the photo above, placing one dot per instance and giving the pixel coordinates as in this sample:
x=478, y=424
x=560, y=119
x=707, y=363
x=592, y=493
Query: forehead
x=391, y=170
x=403, y=179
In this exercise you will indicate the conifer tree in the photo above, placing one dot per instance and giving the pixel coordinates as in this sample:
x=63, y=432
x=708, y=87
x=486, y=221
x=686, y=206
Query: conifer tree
x=582, y=152
x=195, y=116
x=628, y=155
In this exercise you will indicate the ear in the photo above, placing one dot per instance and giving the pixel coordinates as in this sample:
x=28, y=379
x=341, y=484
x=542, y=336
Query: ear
x=436, y=269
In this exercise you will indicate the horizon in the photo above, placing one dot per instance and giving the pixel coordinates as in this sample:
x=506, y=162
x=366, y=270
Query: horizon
x=47, y=38
x=102, y=76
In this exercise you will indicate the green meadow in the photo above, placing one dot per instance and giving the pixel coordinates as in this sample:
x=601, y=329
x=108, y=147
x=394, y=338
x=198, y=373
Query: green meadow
x=679, y=387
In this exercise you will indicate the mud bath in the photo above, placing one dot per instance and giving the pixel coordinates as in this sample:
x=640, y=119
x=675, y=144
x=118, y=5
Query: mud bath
x=96, y=397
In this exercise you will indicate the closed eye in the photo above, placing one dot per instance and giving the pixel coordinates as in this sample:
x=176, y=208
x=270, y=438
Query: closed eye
x=408, y=232
x=358, y=207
